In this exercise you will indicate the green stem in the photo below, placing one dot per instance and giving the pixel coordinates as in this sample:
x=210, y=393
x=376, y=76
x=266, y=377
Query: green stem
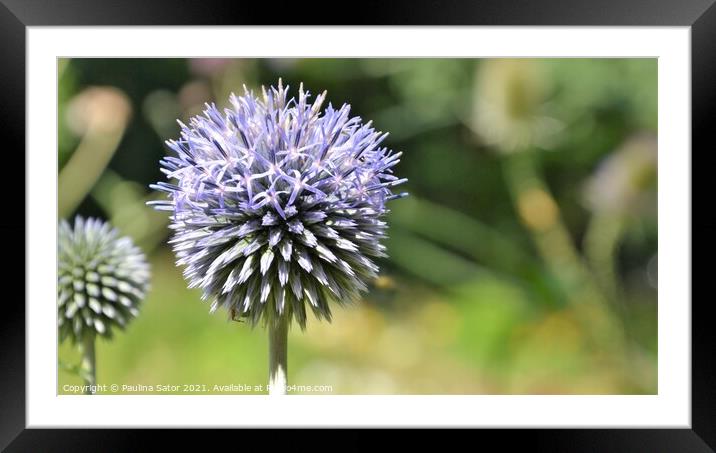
x=88, y=365
x=278, y=357
x=541, y=216
x=601, y=243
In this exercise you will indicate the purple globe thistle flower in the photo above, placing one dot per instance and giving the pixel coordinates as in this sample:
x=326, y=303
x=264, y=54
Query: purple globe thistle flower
x=277, y=206
x=102, y=279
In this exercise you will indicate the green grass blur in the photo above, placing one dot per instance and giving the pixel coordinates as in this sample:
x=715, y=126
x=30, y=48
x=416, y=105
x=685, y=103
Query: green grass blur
x=524, y=261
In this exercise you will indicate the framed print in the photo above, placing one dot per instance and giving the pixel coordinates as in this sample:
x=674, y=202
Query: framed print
x=385, y=222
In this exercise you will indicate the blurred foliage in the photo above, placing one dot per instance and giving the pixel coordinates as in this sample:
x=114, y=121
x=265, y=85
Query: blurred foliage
x=524, y=260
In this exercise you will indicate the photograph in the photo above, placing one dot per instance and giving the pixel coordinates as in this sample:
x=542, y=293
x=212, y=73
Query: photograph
x=429, y=217
x=357, y=226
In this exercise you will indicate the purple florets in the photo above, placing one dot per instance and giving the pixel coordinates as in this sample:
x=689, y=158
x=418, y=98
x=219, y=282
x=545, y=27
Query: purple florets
x=277, y=206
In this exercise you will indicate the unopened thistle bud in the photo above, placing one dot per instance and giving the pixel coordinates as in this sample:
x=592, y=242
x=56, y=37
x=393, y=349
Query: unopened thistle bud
x=102, y=279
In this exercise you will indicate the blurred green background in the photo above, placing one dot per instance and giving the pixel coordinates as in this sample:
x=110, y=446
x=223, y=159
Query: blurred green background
x=524, y=261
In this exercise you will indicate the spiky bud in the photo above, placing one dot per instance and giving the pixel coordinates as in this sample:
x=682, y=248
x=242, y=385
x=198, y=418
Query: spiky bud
x=278, y=206
x=102, y=279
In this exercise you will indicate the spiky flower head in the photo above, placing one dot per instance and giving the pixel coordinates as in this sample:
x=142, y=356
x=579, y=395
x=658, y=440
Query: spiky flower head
x=102, y=279
x=277, y=207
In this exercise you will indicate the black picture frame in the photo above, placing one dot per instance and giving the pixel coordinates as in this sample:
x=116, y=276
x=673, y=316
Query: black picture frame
x=16, y=15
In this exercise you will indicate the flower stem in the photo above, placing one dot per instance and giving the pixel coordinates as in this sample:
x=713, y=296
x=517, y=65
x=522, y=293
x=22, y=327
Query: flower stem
x=601, y=245
x=88, y=365
x=278, y=358
x=541, y=214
